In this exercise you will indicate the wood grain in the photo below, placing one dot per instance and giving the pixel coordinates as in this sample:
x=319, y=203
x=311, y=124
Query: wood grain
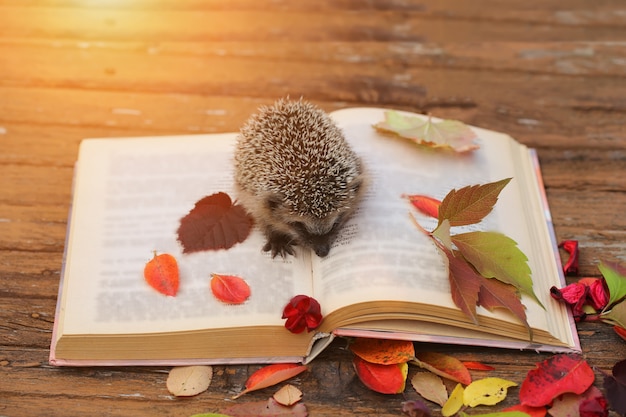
x=551, y=73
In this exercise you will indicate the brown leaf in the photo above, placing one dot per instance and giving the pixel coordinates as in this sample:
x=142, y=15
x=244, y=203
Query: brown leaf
x=266, y=408
x=288, y=395
x=444, y=365
x=471, y=204
x=464, y=284
x=430, y=387
x=496, y=294
x=214, y=223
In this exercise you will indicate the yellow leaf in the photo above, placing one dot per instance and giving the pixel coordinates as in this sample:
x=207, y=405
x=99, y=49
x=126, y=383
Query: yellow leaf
x=454, y=403
x=486, y=391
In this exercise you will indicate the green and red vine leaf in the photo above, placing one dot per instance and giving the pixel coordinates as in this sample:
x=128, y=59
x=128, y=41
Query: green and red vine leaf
x=469, y=205
x=445, y=134
x=464, y=285
x=162, y=274
x=496, y=294
x=495, y=255
x=557, y=375
x=214, y=223
x=615, y=277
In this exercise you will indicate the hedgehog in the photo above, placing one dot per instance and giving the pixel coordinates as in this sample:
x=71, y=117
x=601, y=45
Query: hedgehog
x=297, y=176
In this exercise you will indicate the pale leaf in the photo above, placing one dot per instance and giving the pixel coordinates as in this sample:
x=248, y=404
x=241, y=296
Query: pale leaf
x=430, y=387
x=288, y=395
x=186, y=381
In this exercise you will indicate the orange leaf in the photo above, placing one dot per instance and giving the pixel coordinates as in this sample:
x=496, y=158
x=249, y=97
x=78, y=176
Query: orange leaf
x=426, y=205
x=229, y=288
x=444, y=366
x=271, y=375
x=161, y=273
x=214, y=223
x=386, y=379
x=478, y=366
x=383, y=351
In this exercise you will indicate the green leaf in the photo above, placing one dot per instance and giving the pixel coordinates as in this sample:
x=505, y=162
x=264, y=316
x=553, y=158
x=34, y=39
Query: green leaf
x=615, y=277
x=442, y=232
x=471, y=204
x=495, y=255
x=446, y=134
x=617, y=315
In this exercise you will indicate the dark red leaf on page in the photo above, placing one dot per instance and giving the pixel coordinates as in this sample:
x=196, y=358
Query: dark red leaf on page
x=214, y=223
x=556, y=375
x=162, y=274
x=464, y=284
x=229, y=288
x=496, y=294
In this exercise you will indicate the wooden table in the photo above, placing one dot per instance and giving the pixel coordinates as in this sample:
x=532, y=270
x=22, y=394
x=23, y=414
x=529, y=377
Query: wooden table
x=550, y=73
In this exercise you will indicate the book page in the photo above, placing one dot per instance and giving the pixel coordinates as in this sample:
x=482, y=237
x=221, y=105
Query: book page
x=381, y=254
x=130, y=195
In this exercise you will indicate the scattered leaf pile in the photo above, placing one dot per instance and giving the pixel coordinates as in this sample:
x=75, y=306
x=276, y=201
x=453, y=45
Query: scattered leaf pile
x=446, y=134
x=485, y=268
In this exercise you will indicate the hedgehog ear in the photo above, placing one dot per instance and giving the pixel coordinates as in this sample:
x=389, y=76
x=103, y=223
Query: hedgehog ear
x=274, y=200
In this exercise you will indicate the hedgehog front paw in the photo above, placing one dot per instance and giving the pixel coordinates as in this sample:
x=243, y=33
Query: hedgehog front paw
x=279, y=244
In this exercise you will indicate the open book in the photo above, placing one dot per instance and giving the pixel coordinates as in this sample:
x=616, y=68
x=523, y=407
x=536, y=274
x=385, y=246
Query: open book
x=383, y=277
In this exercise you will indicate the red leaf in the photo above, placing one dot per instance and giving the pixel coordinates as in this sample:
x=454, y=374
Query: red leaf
x=477, y=366
x=386, y=379
x=214, y=223
x=229, y=288
x=271, y=375
x=464, y=284
x=426, y=205
x=161, y=273
x=445, y=366
x=571, y=247
x=556, y=375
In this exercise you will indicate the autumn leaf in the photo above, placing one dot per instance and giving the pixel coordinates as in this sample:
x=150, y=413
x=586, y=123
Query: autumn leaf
x=495, y=255
x=424, y=204
x=214, y=223
x=385, y=379
x=495, y=294
x=616, y=315
x=447, y=134
x=430, y=387
x=464, y=284
x=615, y=276
x=415, y=408
x=383, y=351
x=187, y=381
x=454, y=403
x=497, y=414
x=470, y=204
x=269, y=408
x=288, y=395
x=571, y=265
x=568, y=404
x=556, y=375
x=229, y=289
x=621, y=332
x=477, y=366
x=615, y=387
x=162, y=274
x=271, y=375
x=486, y=391
x=443, y=365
